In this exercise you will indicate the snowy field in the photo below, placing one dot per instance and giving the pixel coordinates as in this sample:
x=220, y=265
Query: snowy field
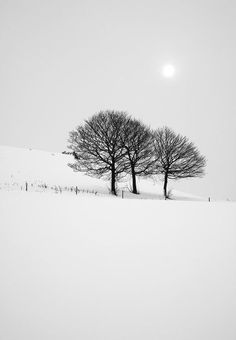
x=98, y=267
x=86, y=267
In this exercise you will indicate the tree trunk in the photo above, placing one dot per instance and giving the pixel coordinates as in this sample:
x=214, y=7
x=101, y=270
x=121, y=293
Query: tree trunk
x=113, y=180
x=165, y=185
x=134, y=185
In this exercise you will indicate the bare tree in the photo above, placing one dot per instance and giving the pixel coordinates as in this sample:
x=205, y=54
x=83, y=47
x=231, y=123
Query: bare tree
x=177, y=157
x=98, y=146
x=138, y=142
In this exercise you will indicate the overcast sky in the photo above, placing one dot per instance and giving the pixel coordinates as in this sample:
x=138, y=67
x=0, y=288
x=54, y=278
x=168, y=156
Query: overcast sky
x=62, y=61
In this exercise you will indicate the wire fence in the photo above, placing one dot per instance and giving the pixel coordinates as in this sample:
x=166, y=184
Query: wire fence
x=122, y=193
x=37, y=186
x=44, y=187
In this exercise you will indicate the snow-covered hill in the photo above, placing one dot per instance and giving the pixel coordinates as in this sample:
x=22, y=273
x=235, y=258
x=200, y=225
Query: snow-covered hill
x=83, y=267
x=40, y=167
x=110, y=269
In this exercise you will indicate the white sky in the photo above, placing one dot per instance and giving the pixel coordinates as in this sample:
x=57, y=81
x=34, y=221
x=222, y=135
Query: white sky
x=62, y=61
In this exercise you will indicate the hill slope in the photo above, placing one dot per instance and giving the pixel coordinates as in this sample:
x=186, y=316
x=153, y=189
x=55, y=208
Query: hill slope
x=41, y=167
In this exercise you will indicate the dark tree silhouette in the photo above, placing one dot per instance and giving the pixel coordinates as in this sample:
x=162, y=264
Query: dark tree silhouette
x=177, y=157
x=138, y=142
x=98, y=146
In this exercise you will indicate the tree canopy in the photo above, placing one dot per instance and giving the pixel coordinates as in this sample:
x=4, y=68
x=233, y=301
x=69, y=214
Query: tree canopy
x=98, y=146
x=177, y=157
x=112, y=144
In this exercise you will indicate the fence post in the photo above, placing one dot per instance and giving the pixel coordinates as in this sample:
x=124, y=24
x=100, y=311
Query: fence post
x=122, y=193
x=26, y=186
x=209, y=199
x=76, y=190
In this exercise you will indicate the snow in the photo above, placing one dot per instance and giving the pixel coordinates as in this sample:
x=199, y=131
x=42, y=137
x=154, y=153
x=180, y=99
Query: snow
x=99, y=267
x=35, y=166
x=87, y=267
x=40, y=167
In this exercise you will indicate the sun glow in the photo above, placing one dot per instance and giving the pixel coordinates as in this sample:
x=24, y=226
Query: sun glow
x=168, y=71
